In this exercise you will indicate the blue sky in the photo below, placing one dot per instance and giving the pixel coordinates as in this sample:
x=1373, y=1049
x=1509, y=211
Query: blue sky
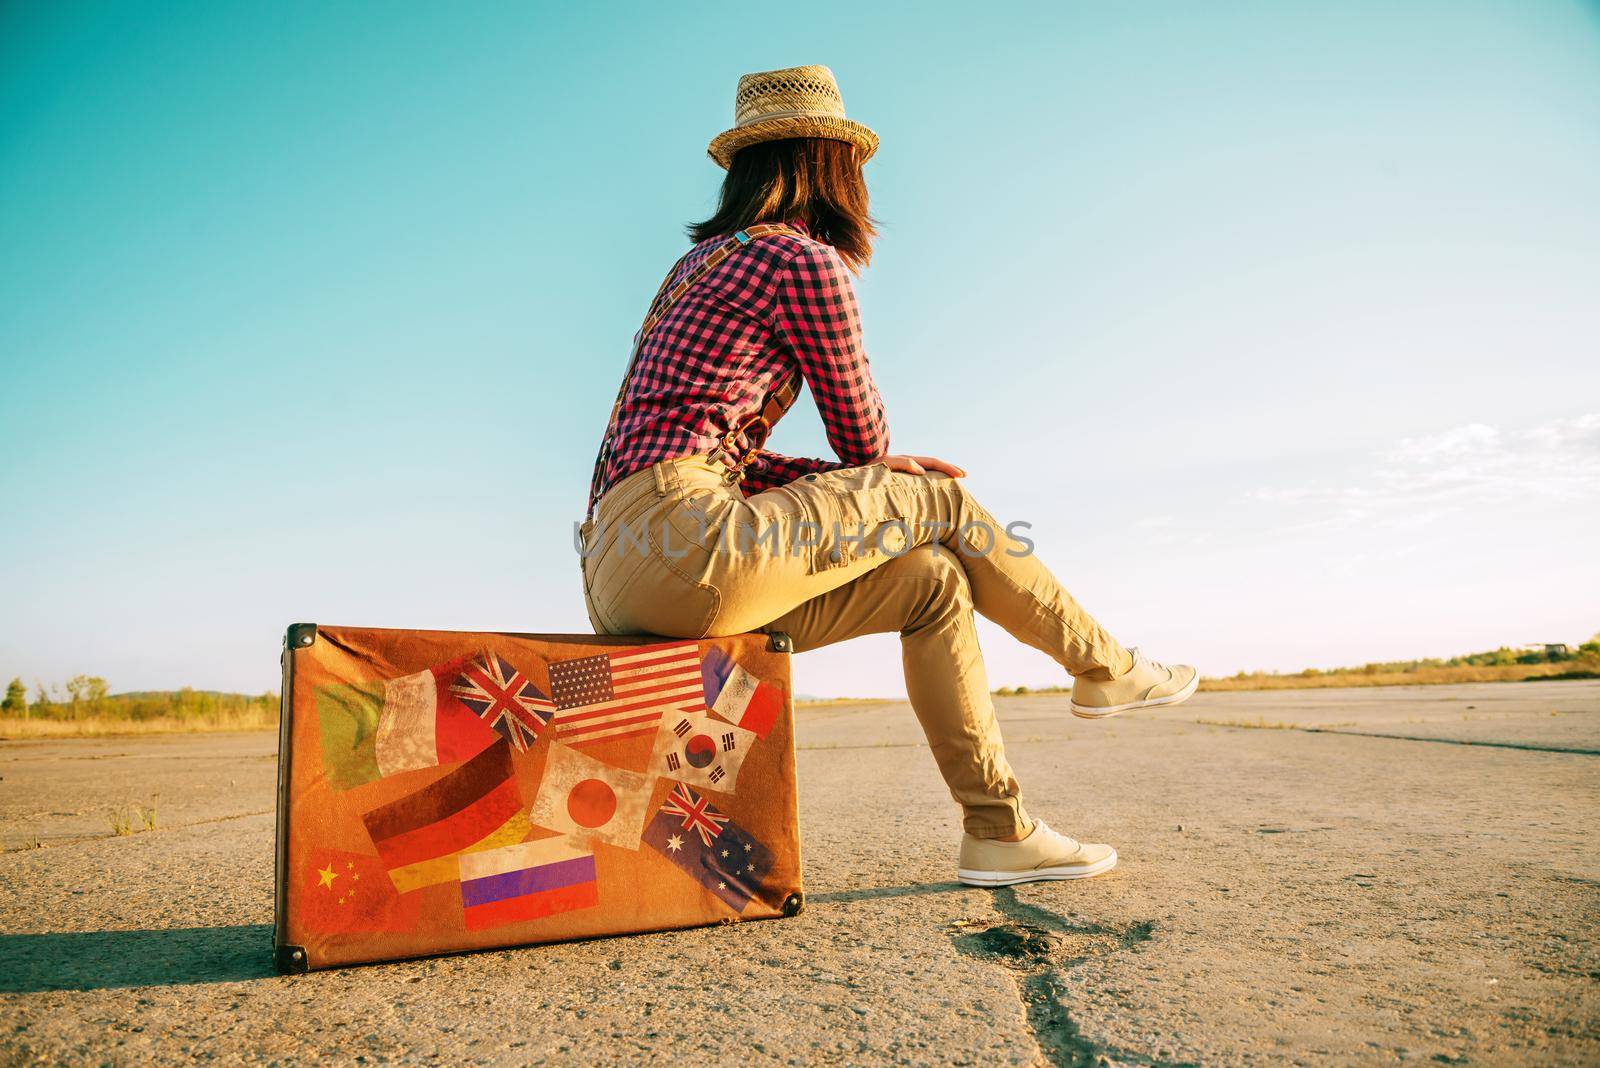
x=1276, y=320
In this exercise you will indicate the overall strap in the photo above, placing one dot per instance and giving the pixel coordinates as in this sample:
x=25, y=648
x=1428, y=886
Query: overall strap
x=665, y=298
x=752, y=433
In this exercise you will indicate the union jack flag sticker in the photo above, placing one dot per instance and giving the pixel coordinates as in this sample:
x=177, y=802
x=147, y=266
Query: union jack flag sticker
x=695, y=811
x=504, y=698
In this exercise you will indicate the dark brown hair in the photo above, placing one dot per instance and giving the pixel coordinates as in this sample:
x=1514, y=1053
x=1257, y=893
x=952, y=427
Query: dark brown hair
x=813, y=179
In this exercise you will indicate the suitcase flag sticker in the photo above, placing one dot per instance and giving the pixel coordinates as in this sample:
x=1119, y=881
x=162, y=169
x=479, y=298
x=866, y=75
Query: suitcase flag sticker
x=449, y=815
x=713, y=850
x=700, y=750
x=466, y=808
x=382, y=728
x=504, y=698
x=625, y=693
x=350, y=892
x=527, y=881
x=738, y=696
x=580, y=796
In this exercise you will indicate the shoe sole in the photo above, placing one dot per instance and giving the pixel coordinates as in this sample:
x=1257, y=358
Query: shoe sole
x=1011, y=878
x=1097, y=712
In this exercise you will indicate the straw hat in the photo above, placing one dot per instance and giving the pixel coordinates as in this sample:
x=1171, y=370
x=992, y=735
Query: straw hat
x=794, y=102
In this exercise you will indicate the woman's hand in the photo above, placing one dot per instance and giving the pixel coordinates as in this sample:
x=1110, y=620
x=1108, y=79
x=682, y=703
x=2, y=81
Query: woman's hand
x=920, y=465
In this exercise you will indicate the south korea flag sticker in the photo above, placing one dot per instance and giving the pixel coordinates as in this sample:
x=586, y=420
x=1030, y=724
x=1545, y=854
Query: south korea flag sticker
x=696, y=749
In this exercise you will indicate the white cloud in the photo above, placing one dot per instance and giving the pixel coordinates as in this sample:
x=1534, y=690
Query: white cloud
x=1422, y=479
x=1560, y=459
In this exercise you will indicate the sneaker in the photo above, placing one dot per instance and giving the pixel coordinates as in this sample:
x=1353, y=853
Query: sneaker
x=1044, y=854
x=1148, y=684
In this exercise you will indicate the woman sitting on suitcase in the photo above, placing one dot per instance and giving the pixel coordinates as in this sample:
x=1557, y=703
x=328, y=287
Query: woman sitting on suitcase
x=698, y=531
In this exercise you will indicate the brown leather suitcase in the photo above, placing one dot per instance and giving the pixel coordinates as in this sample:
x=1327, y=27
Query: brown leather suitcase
x=445, y=791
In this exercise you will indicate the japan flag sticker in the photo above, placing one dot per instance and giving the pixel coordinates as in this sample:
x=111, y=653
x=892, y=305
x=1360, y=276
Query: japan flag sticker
x=586, y=799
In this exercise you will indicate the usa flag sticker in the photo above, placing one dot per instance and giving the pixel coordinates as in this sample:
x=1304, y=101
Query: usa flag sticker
x=694, y=748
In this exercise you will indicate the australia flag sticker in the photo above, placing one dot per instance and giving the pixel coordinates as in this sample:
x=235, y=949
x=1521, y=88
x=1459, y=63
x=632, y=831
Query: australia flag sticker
x=713, y=850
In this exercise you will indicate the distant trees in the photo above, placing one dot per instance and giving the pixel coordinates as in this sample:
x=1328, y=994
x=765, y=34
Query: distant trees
x=1524, y=655
x=89, y=697
x=86, y=692
x=87, y=688
x=16, y=700
x=1491, y=665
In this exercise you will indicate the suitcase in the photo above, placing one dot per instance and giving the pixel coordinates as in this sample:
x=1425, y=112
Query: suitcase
x=446, y=791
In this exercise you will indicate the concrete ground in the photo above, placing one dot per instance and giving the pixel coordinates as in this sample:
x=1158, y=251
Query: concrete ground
x=1356, y=876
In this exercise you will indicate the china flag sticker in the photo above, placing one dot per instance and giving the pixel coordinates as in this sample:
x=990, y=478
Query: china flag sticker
x=351, y=892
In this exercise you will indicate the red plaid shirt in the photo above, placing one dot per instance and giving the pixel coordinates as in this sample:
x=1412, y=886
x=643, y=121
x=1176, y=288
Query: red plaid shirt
x=779, y=303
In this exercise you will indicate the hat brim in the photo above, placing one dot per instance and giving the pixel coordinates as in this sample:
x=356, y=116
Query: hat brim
x=726, y=143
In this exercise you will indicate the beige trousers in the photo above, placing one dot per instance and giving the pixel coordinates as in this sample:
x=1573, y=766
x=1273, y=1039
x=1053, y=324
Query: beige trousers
x=676, y=550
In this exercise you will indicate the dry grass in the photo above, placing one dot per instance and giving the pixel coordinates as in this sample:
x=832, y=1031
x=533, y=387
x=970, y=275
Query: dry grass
x=1260, y=724
x=12, y=728
x=133, y=817
x=1425, y=676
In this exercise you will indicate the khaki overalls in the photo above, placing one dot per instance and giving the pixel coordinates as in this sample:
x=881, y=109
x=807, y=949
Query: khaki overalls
x=677, y=550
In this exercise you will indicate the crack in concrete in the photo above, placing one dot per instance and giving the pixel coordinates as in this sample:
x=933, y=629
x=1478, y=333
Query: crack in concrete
x=79, y=839
x=837, y=746
x=1531, y=747
x=1039, y=947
